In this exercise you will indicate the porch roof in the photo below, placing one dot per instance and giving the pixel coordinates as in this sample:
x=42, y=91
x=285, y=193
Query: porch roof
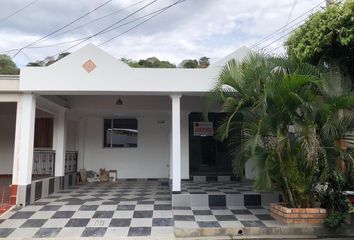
x=109, y=75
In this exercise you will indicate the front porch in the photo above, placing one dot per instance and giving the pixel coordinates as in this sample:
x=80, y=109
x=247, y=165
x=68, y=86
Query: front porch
x=51, y=137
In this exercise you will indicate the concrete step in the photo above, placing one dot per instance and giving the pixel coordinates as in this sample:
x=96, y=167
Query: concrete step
x=228, y=200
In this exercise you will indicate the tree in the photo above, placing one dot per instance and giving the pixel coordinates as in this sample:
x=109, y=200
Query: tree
x=48, y=60
x=151, y=62
x=290, y=123
x=203, y=62
x=7, y=66
x=327, y=38
x=192, y=63
x=189, y=63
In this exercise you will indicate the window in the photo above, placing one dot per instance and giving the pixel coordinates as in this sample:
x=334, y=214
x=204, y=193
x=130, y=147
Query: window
x=43, y=133
x=120, y=133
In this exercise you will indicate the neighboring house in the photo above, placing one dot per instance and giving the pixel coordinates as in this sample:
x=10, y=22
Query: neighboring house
x=89, y=110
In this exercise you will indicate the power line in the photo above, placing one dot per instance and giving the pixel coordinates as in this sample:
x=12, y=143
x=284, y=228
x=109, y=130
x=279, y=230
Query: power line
x=289, y=27
x=137, y=25
x=285, y=27
x=19, y=10
x=66, y=25
x=107, y=31
x=271, y=35
x=271, y=51
x=95, y=20
x=291, y=11
x=110, y=26
x=154, y=14
x=282, y=36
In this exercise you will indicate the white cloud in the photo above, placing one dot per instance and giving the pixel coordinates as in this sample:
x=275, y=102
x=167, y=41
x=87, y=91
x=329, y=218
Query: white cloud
x=192, y=29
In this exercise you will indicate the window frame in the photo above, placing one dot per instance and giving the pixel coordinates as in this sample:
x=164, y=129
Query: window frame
x=111, y=145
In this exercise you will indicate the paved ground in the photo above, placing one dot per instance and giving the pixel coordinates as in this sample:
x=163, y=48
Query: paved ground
x=124, y=209
x=216, y=217
x=129, y=208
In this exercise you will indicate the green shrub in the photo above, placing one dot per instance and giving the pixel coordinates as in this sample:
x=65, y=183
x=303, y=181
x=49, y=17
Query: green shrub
x=336, y=219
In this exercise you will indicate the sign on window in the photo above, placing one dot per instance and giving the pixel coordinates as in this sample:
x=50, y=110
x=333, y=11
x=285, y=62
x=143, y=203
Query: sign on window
x=203, y=129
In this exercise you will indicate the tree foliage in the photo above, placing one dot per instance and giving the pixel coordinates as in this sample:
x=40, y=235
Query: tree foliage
x=7, y=66
x=193, y=63
x=203, y=62
x=189, y=63
x=151, y=62
x=327, y=36
x=47, y=61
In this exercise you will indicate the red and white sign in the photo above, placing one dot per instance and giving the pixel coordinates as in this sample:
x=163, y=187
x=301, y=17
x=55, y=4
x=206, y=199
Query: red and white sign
x=203, y=129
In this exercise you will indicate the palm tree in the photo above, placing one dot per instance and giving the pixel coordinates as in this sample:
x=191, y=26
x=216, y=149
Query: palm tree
x=289, y=123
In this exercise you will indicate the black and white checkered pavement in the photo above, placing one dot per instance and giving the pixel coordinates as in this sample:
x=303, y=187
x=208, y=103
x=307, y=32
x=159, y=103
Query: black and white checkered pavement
x=128, y=208
x=223, y=217
x=124, y=209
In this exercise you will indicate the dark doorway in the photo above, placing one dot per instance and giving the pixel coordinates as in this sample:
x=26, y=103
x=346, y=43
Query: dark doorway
x=207, y=156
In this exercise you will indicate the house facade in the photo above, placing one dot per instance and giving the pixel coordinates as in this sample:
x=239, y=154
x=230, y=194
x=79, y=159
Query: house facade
x=90, y=110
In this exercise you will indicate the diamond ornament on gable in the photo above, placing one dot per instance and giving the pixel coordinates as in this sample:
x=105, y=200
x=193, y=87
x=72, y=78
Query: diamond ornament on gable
x=89, y=66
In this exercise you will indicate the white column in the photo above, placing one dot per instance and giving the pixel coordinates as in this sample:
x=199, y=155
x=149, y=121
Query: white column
x=24, y=139
x=59, y=142
x=16, y=144
x=176, y=143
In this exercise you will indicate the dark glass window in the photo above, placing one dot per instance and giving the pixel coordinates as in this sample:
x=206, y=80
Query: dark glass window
x=120, y=133
x=43, y=133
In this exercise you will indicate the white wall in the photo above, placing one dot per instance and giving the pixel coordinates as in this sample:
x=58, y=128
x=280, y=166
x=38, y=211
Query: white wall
x=152, y=156
x=149, y=160
x=7, y=137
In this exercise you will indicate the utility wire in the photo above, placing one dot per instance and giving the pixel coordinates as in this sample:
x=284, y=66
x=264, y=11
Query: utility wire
x=66, y=25
x=95, y=20
x=154, y=14
x=19, y=10
x=271, y=51
x=291, y=11
x=281, y=37
x=137, y=25
x=289, y=27
x=110, y=26
x=271, y=35
x=107, y=31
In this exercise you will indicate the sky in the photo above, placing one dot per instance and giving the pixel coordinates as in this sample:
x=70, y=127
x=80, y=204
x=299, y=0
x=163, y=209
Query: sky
x=188, y=30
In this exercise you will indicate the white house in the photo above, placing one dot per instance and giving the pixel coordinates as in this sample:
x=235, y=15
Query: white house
x=144, y=123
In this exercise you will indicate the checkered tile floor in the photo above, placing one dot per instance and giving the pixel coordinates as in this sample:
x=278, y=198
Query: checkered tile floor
x=217, y=187
x=128, y=208
x=123, y=209
x=224, y=217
